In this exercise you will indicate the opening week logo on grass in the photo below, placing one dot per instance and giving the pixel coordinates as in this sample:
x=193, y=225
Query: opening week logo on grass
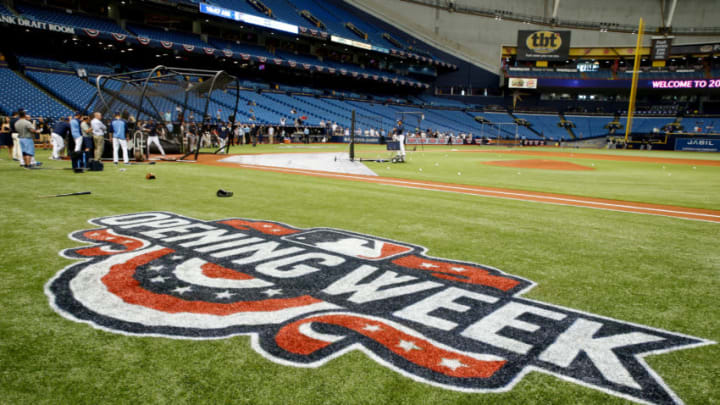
x=306, y=296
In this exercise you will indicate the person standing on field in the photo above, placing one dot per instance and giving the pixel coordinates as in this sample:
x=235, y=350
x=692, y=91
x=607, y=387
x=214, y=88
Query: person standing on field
x=5, y=137
x=271, y=134
x=76, y=132
x=17, y=154
x=154, y=129
x=119, y=139
x=26, y=133
x=98, y=132
x=59, y=132
x=240, y=134
x=399, y=136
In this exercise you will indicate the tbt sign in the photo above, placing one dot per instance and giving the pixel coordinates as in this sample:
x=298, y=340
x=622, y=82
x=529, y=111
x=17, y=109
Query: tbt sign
x=543, y=45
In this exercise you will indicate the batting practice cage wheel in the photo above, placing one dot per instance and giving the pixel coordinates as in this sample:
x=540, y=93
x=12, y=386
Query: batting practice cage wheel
x=187, y=104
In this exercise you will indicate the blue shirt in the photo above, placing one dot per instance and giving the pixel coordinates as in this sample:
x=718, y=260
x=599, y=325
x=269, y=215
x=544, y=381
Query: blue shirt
x=75, y=128
x=62, y=128
x=118, y=129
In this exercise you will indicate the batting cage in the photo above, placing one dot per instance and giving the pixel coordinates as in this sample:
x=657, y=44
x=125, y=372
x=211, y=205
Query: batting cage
x=505, y=133
x=184, y=108
x=366, y=132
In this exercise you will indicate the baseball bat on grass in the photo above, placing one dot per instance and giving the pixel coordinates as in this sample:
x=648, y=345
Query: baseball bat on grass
x=64, y=195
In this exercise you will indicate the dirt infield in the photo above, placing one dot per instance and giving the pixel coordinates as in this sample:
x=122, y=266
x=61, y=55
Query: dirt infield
x=599, y=156
x=539, y=164
x=521, y=195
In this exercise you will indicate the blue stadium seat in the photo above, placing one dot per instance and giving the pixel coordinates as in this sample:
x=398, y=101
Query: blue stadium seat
x=19, y=93
x=67, y=87
x=42, y=63
x=4, y=10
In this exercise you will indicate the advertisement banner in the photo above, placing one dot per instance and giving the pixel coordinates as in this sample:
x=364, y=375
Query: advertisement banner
x=362, y=139
x=683, y=84
x=247, y=18
x=522, y=83
x=697, y=144
x=24, y=22
x=661, y=48
x=543, y=45
x=696, y=48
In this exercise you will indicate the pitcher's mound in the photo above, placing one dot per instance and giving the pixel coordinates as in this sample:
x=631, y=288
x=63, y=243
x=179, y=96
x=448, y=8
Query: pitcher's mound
x=539, y=164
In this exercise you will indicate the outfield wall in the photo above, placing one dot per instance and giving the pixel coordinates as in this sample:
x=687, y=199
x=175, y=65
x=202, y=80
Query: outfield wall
x=686, y=142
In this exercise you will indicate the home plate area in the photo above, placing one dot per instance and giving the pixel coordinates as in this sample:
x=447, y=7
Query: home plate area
x=325, y=162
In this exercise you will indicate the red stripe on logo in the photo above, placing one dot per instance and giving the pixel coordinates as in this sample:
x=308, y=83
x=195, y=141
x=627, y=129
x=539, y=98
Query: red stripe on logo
x=419, y=351
x=120, y=281
x=268, y=228
x=105, y=236
x=213, y=270
x=457, y=272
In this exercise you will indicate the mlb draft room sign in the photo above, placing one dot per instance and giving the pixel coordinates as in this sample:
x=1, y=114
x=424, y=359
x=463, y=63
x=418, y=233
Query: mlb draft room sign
x=306, y=296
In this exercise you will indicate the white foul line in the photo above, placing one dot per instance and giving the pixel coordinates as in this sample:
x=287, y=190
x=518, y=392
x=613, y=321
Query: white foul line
x=505, y=194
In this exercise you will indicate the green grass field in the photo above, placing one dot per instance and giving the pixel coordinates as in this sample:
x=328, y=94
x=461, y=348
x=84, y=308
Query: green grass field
x=650, y=270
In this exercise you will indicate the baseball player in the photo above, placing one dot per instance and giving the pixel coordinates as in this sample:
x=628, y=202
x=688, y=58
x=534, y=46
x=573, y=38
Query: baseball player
x=399, y=136
x=59, y=132
x=119, y=139
x=153, y=136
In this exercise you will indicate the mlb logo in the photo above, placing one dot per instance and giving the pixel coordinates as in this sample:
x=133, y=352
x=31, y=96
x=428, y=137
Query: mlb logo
x=349, y=244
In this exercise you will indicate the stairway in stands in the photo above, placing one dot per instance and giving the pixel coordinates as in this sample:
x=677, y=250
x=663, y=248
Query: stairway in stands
x=21, y=73
x=530, y=128
x=567, y=128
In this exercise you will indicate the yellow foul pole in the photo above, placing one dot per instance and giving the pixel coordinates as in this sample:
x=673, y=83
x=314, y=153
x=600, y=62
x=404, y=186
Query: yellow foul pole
x=633, y=86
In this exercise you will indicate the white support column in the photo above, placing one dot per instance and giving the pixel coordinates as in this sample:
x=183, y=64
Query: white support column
x=668, y=23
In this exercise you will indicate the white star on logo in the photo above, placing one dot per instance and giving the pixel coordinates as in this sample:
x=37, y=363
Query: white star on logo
x=371, y=328
x=408, y=345
x=452, y=364
x=110, y=238
x=267, y=226
x=272, y=292
x=126, y=241
x=158, y=279
x=95, y=234
x=457, y=268
x=224, y=294
x=155, y=268
x=428, y=265
x=182, y=290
